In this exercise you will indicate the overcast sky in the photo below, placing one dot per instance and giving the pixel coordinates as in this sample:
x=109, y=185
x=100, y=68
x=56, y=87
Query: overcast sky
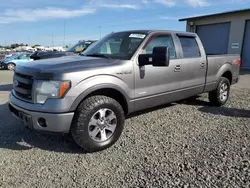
x=43, y=21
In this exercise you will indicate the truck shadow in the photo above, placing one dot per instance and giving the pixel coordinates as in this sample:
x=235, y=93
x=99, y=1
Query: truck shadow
x=206, y=107
x=15, y=136
x=6, y=87
x=230, y=112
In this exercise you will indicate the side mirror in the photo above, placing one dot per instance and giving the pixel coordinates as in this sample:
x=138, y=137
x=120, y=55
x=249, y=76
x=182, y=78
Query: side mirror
x=159, y=58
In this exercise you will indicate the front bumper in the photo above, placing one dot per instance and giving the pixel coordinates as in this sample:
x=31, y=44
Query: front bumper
x=58, y=123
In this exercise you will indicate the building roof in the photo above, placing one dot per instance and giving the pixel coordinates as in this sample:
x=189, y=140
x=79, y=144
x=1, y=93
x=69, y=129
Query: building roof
x=217, y=14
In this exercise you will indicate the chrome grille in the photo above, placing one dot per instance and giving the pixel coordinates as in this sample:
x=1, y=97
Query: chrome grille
x=22, y=85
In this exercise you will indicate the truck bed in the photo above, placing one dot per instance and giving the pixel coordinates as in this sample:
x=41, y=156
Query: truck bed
x=215, y=62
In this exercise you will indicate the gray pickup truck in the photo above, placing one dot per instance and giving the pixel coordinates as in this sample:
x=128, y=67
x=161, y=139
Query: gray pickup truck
x=89, y=96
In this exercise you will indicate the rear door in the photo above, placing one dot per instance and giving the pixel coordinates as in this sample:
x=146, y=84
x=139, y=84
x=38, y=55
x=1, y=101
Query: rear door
x=193, y=65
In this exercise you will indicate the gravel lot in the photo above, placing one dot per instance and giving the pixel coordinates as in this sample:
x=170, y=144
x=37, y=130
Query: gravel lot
x=185, y=144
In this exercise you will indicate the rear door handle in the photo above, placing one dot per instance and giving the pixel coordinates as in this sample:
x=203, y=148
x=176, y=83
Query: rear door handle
x=177, y=68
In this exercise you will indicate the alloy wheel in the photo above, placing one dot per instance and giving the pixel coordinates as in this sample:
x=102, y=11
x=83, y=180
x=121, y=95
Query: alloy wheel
x=224, y=92
x=102, y=125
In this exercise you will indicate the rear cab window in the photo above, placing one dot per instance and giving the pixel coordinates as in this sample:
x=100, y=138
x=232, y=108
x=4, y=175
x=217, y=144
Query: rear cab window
x=190, y=47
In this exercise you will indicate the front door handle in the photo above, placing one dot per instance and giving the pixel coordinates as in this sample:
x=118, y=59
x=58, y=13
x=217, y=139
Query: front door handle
x=202, y=65
x=177, y=68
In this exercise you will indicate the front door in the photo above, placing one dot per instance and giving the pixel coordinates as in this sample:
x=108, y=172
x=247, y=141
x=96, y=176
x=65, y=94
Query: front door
x=157, y=85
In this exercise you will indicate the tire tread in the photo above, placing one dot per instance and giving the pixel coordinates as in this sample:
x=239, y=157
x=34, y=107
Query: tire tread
x=213, y=95
x=81, y=115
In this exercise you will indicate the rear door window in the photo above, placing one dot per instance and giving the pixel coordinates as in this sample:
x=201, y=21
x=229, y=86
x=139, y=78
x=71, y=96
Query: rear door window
x=190, y=47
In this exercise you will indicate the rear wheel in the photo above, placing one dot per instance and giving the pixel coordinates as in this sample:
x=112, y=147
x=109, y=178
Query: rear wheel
x=11, y=66
x=98, y=123
x=220, y=95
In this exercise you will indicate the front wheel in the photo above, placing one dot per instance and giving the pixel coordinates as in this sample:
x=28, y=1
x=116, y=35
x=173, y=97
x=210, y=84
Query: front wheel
x=11, y=66
x=98, y=123
x=220, y=95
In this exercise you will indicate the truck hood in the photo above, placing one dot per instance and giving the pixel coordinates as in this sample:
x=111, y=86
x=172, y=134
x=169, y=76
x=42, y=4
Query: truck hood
x=65, y=64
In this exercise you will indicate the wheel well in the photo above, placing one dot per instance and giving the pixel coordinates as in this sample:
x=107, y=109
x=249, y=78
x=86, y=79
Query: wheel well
x=11, y=63
x=228, y=75
x=112, y=93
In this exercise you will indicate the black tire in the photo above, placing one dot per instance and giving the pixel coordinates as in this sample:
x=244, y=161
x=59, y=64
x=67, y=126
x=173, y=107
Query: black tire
x=214, y=96
x=80, y=124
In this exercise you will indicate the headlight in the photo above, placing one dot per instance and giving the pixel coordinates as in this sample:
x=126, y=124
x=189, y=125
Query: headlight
x=50, y=90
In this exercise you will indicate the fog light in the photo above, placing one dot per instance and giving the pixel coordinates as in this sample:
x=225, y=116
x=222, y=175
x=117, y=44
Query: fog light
x=42, y=122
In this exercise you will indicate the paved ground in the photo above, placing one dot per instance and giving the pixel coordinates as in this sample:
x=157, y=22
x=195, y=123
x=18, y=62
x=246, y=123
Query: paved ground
x=244, y=80
x=186, y=144
x=5, y=77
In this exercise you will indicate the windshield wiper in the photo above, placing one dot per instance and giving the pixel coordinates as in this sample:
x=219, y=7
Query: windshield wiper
x=98, y=55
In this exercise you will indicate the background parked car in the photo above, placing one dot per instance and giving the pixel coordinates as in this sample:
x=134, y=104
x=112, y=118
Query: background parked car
x=8, y=55
x=11, y=61
x=74, y=50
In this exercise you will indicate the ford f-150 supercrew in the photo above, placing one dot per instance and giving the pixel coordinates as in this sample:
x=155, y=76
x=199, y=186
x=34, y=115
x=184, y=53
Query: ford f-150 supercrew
x=89, y=96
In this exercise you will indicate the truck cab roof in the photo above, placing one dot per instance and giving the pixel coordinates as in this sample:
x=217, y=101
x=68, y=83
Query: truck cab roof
x=159, y=31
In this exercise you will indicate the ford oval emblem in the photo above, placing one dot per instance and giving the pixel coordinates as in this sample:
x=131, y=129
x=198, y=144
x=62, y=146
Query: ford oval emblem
x=15, y=83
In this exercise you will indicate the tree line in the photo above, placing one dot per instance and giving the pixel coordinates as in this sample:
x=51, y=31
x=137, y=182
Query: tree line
x=12, y=46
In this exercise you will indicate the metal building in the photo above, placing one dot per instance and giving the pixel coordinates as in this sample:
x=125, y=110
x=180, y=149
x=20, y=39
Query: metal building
x=227, y=32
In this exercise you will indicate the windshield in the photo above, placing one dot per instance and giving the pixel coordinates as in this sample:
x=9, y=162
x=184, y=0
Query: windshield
x=79, y=47
x=116, y=45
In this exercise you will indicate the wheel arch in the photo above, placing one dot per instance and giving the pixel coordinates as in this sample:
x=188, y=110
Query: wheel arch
x=228, y=74
x=225, y=71
x=108, y=90
x=11, y=63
